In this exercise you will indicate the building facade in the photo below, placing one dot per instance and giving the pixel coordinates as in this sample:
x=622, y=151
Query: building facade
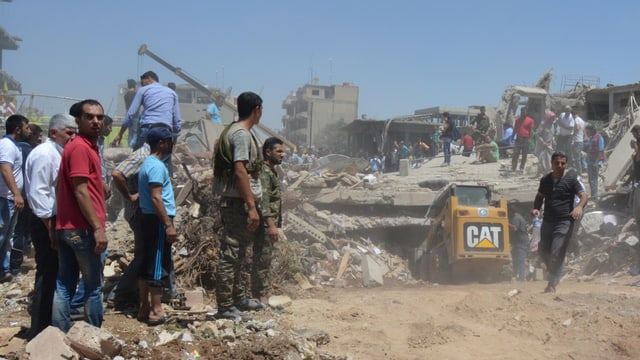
x=313, y=107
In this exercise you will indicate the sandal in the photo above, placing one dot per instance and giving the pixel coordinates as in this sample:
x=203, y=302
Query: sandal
x=161, y=320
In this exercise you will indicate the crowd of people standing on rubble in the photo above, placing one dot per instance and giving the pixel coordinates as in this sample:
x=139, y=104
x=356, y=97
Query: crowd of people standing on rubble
x=58, y=188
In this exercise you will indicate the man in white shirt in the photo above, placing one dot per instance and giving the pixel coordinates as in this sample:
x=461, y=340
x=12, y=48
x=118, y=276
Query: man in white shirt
x=41, y=178
x=566, y=125
x=578, y=142
x=11, y=201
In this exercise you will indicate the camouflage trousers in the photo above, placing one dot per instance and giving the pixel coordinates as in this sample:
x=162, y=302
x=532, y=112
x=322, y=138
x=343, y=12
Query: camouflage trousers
x=261, y=266
x=230, y=286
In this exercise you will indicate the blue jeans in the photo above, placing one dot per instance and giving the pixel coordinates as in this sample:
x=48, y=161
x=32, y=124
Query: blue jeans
x=8, y=219
x=78, y=298
x=76, y=255
x=446, y=148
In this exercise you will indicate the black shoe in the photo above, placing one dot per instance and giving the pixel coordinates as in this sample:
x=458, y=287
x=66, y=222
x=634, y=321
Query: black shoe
x=7, y=277
x=550, y=289
x=232, y=313
x=252, y=305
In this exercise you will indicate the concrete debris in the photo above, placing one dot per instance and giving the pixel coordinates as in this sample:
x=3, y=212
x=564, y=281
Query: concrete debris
x=93, y=342
x=50, y=344
x=194, y=299
x=279, y=301
x=372, y=273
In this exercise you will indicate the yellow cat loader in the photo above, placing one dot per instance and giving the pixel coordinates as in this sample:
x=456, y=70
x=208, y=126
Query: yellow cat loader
x=468, y=237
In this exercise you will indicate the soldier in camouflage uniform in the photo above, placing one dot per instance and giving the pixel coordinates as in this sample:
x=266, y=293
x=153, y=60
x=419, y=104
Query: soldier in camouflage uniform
x=482, y=125
x=237, y=167
x=272, y=152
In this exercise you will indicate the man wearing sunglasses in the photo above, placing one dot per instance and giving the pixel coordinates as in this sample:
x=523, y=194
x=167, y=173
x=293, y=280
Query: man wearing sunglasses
x=80, y=223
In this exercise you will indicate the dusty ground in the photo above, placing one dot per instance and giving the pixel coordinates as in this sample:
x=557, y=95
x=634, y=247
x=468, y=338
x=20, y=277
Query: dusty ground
x=592, y=320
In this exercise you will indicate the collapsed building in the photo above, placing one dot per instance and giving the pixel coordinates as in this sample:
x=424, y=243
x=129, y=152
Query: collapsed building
x=333, y=204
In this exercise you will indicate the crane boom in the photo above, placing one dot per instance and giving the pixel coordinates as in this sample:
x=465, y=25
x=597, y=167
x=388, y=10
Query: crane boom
x=212, y=92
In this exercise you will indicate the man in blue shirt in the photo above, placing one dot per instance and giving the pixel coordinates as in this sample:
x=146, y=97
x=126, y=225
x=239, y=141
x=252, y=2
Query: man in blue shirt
x=160, y=109
x=212, y=110
x=158, y=208
x=506, y=141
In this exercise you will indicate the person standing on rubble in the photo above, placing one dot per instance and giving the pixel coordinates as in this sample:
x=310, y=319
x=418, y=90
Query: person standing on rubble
x=237, y=167
x=158, y=208
x=595, y=158
x=213, y=110
x=557, y=191
x=447, y=137
x=80, y=227
x=566, y=127
x=482, y=125
x=41, y=177
x=160, y=108
x=11, y=182
x=273, y=153
x=522, y=130
x=635, y=174
x=128, y=99
x=519, y=242
x=577, y=142
x=544, y=143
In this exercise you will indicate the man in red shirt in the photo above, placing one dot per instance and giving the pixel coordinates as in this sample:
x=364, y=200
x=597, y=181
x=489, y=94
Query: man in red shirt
x=80, y=223
x=467, y=145
x=522, y=129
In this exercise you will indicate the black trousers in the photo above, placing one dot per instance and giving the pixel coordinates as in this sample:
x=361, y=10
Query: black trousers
x=45, y=282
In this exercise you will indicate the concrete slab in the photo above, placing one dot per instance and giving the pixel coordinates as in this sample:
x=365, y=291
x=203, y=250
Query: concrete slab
x=50, y=344
x=93, y=342
x=371, y=272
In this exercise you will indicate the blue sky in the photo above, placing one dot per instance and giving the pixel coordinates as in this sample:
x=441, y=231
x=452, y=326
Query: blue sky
x=403, y=55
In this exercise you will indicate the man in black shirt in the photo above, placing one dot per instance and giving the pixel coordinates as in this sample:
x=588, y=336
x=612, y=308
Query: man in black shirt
x=558, y=191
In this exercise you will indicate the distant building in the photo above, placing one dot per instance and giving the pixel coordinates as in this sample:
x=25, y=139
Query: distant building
x=313, y=107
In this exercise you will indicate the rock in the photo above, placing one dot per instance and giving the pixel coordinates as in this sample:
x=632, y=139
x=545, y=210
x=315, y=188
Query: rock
x=50, y=344
x=371, y=272
x=209, y=329
x=302, y=281
x=566, y=323
x=317, y=336
x=143, y=344
x=632, y=240
x=93, y=342
x=186, y=337
x=194, y=210
x=308, y=209
x=279, y=301
x=513, y=293
x=13, y=293
x=166, y=337
x=404, y=167
x=194, y=298
x=318, y=250
x=228, y=335
x=109, y=270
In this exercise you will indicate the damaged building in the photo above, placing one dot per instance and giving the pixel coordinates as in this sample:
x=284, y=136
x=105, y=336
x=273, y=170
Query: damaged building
x=314, y=107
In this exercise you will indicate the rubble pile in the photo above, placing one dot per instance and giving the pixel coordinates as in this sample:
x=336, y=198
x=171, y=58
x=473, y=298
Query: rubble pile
x=614, y=248
x=316, y=241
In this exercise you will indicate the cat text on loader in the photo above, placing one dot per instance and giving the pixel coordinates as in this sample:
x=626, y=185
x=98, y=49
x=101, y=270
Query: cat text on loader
x=468, y=237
